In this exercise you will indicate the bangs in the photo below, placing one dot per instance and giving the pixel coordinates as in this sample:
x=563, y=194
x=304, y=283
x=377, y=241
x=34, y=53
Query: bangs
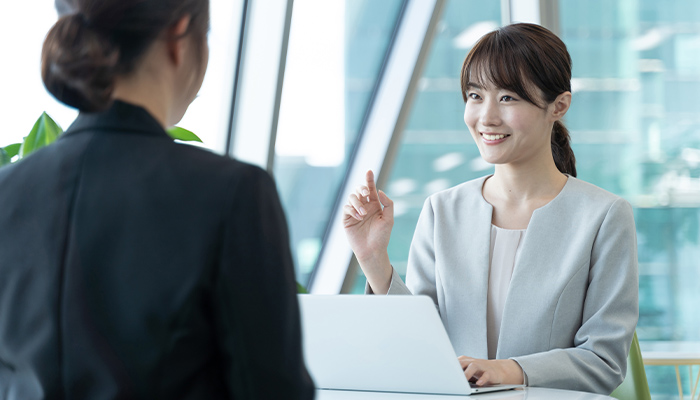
x=497, y=61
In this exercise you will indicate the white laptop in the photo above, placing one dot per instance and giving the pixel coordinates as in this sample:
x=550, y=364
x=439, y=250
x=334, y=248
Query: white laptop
x=381, y=343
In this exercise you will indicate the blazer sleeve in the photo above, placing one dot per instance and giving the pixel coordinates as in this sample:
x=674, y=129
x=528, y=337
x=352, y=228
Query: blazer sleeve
x=255, y=302
x=598, y=361
x=421, y=260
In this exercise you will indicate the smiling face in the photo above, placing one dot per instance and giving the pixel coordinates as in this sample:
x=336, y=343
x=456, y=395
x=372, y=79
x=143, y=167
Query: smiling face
x=506, y=128
x=516, y=85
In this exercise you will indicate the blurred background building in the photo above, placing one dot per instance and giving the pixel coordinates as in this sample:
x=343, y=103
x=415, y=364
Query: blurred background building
x=319, y=91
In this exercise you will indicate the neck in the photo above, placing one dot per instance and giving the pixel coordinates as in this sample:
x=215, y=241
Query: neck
x=148, y=91
x=521, y=183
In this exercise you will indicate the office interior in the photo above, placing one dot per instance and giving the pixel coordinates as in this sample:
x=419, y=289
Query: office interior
x=317, y=92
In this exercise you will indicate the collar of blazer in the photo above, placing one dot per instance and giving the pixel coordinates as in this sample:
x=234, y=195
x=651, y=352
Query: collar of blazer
x=120, y=117
x=465, y=252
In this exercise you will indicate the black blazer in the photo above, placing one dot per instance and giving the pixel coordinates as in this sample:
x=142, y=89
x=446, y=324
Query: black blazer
x=134, y=267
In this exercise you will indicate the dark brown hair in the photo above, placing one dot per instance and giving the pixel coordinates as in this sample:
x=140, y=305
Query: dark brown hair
x=99, y=40
x=519, y=58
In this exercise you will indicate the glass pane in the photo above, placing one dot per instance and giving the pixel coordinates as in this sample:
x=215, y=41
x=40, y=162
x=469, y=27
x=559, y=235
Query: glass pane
x=24, y=97
x=635, y=125
x=336, y=50
x=208, y=116
x=22, y=37
x=436, y=150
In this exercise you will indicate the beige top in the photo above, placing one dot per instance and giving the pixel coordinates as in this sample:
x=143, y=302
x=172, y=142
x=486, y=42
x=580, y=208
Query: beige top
x=505, y=248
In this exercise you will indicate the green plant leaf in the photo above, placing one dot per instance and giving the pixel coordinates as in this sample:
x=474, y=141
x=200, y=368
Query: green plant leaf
x=4, y=158
x=183, y=134
x=44, y=132
x=12, y=149
x=301, y=289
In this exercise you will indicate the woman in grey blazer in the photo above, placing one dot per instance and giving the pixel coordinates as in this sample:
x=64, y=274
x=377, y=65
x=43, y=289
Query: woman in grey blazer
x=555, y=305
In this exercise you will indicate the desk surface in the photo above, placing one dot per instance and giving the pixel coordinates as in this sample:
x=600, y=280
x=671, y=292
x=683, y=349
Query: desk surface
x=526, y=393
x=670, y=353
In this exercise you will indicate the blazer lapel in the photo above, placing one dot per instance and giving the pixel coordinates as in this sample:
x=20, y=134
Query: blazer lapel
x=527, y=274
x=468, y=269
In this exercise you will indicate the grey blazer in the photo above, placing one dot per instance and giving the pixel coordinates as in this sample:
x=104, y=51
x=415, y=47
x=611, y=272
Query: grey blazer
x=572, y=304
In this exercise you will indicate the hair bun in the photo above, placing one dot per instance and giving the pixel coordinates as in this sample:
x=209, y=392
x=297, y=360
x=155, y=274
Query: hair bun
x=78, y=64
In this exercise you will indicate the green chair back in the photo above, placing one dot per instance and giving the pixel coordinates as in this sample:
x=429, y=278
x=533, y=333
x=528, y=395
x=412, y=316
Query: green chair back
x=635, y=386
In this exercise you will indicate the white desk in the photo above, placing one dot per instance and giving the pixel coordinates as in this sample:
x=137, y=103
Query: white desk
x=526, y=393
x=675, y=354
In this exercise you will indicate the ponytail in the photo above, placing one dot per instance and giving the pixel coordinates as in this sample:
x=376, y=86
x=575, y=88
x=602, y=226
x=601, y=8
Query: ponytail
x=79, y=64
x=561, y=149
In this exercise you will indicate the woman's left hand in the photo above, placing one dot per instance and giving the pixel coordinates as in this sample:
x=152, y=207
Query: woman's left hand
x=491, y=372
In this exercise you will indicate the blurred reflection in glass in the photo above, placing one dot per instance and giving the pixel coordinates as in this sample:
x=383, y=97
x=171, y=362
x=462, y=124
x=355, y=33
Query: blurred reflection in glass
x=436, y=150
x=336, y=51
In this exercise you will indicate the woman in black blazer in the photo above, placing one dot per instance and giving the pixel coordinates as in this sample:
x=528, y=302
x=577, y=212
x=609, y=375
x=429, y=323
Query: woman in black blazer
x=132, y=266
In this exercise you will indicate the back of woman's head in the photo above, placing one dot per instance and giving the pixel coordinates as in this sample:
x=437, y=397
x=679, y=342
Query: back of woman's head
x=532, y=62
x=96, y=41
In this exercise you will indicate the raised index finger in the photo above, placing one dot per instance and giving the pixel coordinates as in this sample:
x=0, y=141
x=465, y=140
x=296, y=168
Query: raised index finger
x=373, y=195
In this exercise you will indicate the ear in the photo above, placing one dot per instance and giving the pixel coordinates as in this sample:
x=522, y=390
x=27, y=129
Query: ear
x=175, y=39
x=561, y=106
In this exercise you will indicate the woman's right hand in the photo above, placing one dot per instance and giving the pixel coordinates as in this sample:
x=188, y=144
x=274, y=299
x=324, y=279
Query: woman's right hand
x=368, y=228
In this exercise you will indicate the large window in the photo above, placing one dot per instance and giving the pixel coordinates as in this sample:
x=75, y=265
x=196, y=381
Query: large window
x=334, y=60
x=436, y=150
x=25, y=98
x=23, y=95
